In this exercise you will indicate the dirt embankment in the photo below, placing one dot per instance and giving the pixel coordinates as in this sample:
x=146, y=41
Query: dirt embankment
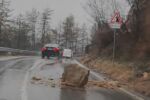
x=121, y=72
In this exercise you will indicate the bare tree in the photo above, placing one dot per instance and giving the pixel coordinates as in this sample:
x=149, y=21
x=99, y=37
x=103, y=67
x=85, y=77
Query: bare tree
x=83, y=37
x=96, y=9
x=68, y=30
x=46, y=16
x=130, y=2
x=101, y=10
x=32, y=20
x=4, y=10
x=59, y=33
x=22, y=36
x=70, y=33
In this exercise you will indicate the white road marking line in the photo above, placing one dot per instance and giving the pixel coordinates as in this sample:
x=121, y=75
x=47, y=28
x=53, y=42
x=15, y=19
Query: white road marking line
x=24, y=95
x=24, y=86
x=91, y=72
x=131, y=94
x=122, y=89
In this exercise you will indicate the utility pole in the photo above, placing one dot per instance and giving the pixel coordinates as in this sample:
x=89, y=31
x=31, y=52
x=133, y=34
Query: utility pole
x=115, y=21
x=114, y=46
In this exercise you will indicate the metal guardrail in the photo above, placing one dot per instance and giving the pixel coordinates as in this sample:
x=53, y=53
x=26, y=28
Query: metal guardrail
x=16, y=51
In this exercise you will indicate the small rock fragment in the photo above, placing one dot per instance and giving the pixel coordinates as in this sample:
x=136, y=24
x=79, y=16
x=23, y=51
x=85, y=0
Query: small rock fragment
x=51, y=79
x=36, y=78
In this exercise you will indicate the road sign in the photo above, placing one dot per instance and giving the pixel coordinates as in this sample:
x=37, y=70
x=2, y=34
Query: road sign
x=115, y=25
x=116, y=20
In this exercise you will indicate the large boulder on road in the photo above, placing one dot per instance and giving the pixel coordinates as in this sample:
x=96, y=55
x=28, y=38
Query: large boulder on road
x=75, y=76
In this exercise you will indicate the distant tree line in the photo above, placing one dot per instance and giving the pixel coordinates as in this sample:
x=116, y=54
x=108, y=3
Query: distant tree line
x=70, y=35
x=25, y=31
x=32, y=29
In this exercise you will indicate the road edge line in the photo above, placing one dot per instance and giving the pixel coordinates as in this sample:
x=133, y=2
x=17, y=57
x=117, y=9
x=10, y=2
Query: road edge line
x=131, y=94
x=24, y=95
x=121, y=89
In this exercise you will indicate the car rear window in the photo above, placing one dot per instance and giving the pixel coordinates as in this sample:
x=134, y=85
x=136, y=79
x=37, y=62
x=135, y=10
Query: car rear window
x=49, y=48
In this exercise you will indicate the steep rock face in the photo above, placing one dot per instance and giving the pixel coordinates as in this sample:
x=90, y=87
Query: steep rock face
x=132, y=41
x=137, y=39
x=143, y=44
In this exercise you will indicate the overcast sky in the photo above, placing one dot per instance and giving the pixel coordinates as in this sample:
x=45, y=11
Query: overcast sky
x=62, y=8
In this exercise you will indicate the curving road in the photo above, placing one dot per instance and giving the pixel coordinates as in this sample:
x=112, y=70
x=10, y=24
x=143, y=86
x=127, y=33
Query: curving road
x=16, y=75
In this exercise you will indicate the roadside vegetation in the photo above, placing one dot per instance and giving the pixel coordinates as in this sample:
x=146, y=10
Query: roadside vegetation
x=131, y=64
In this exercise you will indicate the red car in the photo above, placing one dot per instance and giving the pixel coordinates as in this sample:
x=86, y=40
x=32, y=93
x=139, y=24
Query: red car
x=50, y=50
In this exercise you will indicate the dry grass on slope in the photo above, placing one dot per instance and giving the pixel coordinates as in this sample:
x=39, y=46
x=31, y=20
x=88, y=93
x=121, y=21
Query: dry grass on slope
x=121, y=72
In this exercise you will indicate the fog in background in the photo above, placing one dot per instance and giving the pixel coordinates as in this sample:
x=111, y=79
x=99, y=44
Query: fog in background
x=62, y=9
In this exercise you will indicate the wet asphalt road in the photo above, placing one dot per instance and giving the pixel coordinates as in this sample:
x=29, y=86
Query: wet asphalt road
x=16, y=76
